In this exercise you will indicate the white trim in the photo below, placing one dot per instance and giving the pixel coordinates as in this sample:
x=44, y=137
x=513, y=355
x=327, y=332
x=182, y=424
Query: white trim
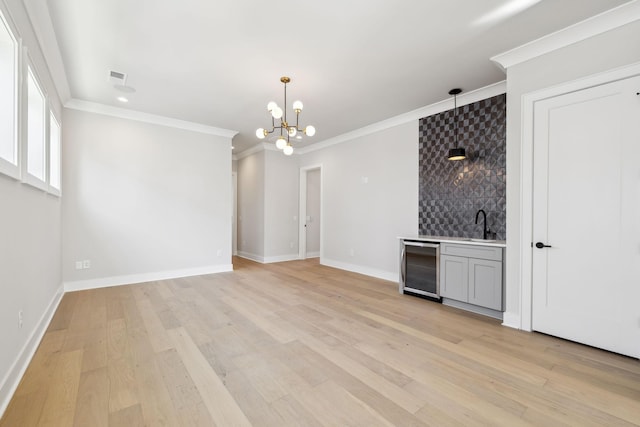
x=524, y=320
x=234, y=214
x=280, y=258
x=251, y=257
x=48, y=45
x=598, y=24
x=8, y=168
x=313, y=254
x=367, y=271
x=105, y=282
x=262, y=146
x=108, y=110
x=447, y=104
x=268, y=260
x=511, y=320
x=14, y=375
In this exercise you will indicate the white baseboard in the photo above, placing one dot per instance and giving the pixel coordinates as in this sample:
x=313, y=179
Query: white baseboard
x=511, y=320
x=367, y=271
x=104, y=282
x=12, y=378
x=269, y=259
x=281, y=258
x=313, y=254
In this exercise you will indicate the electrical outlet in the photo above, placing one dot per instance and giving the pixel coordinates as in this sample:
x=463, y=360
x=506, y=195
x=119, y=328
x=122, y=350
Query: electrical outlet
x=351, y=252
x=291, y=245
x=219, y=252
x=20, y=318
x=79, y=265
x=86, y=263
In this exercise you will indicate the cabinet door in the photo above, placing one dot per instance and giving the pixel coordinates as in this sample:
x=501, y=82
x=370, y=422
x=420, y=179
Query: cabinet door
x=454, y=277
x=485, y=283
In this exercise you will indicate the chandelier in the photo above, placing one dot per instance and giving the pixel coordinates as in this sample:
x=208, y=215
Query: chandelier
x=287, y=130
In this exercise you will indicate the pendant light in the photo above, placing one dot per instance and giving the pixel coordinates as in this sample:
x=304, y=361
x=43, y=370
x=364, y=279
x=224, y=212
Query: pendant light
x=456, y=153
x=287, y=130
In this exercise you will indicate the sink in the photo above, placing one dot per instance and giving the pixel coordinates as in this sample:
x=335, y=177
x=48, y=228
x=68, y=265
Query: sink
x=483, y=240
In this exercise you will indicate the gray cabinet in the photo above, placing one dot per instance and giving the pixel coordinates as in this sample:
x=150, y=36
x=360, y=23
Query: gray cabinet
x=472, y=274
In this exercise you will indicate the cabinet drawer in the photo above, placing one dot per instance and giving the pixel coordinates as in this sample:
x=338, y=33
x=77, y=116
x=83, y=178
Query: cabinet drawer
x=472, y=251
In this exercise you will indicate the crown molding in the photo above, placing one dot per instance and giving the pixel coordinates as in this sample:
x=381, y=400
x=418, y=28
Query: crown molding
x=40, y=22
x=108, y=110
x=262, y=146
x=444, y=105
x=598, y=24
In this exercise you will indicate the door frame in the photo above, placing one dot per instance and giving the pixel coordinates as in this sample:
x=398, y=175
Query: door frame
x=302, y=212
x=234, y=214
x=525, y=251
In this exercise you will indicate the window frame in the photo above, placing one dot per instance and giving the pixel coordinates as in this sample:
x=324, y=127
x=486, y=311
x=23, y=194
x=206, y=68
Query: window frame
x=52, y=118
x=8, y=168
x=28, y=178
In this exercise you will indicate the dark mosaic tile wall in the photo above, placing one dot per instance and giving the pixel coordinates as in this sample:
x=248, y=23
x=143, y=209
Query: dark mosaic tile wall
x=451, y=192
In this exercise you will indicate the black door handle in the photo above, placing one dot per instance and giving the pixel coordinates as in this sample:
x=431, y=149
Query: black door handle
x=541, y=245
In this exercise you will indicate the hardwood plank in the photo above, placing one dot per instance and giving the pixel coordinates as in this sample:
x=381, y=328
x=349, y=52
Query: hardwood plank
x=60, y=406
x=221, y=405
x=130, y=417
x=92, y=406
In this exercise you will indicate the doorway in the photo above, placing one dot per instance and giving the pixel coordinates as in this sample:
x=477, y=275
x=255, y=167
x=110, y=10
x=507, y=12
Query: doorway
x=310, y=231
x=234, y=214
x=585, y=258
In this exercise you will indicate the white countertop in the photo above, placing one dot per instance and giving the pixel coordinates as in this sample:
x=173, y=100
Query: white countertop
x=460, y=240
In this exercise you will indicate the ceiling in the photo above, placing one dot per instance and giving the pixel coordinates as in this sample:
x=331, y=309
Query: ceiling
x=352, y=63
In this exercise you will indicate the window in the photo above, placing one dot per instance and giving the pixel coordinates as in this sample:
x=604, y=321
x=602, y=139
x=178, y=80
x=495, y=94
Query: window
x=8, y=100
x=54, y=152
x=36, y=148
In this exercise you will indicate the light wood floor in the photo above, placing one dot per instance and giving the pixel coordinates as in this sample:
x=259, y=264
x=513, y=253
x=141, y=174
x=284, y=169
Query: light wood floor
x=297, y=343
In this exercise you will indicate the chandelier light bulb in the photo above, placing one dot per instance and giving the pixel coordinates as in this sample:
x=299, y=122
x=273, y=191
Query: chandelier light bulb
x=271, y=106
x=276, y=113
x=310, y=130
x=297, y=106
x=292, y=131
x=261, y=133
x=281, y=143
x=288, y=150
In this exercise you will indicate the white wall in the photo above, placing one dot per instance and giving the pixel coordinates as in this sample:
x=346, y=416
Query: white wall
x=281, y=206
x=600, y=53
x=313, y=213
x=251, y=175
x=143, y=201
x=30, y=244
x=367, y=217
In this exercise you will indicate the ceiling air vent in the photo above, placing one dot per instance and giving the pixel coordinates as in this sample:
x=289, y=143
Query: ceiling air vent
x=117, y=78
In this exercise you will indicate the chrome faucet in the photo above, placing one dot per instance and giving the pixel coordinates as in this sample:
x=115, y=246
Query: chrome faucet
x=485, y=230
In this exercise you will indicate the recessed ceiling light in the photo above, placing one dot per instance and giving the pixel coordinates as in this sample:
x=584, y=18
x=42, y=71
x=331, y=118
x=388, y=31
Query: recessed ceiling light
x=233, y=148
x=122, y=99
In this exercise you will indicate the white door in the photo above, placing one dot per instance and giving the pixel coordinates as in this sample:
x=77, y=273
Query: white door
x=310, y=208
x=312, y=218
x=586, y=206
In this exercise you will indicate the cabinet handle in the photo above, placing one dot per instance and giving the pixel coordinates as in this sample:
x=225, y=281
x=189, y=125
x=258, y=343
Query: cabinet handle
x=403, y=268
